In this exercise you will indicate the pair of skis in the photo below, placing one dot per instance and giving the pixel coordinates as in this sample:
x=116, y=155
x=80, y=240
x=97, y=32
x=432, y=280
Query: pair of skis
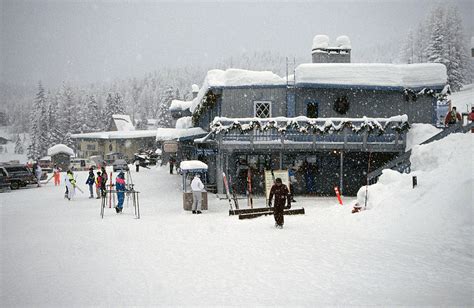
x=227, y=191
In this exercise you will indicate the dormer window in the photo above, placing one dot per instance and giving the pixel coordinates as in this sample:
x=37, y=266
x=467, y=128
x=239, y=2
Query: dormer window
x=262, y=109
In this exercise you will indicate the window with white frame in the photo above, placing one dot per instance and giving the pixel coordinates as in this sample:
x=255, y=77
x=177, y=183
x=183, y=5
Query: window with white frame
x=262, y=109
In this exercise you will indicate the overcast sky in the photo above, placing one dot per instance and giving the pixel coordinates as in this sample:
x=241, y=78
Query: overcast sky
x=89, y=41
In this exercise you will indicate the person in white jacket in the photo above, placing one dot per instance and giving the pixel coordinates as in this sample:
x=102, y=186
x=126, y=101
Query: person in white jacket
x=197, y=187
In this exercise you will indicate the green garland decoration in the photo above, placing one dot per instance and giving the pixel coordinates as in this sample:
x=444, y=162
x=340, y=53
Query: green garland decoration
x=207, y=102
x=309, y=127
x=413, y=95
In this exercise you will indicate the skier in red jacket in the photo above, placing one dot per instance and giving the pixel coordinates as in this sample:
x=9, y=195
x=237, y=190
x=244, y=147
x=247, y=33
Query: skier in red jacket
x=452, y=117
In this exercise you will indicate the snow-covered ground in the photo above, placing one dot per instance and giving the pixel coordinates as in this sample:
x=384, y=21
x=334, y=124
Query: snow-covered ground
x=409, y=248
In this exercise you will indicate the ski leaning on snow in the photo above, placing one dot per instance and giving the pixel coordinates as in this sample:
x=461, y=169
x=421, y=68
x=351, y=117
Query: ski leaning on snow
x=226, y=185
x=234, y=196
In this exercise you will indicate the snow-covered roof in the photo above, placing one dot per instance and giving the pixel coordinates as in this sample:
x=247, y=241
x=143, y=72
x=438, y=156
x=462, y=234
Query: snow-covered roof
x=164, y=134
x=372, y=74
x=117, y=135
x=192, y=165
x=123, y=122
x=178, y=105
x=184, y=122
x=234, y=78
x=60, y=148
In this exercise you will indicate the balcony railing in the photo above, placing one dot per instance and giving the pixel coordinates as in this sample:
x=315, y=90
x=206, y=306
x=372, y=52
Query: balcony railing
x=381, y=134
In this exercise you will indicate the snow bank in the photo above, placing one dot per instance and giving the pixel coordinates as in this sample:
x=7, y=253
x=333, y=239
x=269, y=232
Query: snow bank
x=178, y=105
x=235, y=77
x=123, y=122
x=163, y=134
x=420, y=132
x=184, y=122
x=372, y=74
x=442, y=201
x=320, y=41
x=60, y=148
x=192, y=164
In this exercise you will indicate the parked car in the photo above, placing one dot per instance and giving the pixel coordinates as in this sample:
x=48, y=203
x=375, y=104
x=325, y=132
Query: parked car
x=4, y=180
x=120, y=164
x=82, y=164
x=19, y=176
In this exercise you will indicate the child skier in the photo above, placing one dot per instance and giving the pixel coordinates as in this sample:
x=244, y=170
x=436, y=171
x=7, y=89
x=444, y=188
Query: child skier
x=56, y=175
x=120, y=188
x=91, y=181
x=70, y=185
x=98, y=184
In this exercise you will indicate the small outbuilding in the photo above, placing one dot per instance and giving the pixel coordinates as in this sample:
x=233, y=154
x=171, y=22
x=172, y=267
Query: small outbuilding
x=61, y=155
x=188, y=169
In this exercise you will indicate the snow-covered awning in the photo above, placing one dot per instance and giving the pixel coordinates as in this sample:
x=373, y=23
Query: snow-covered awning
x=372, y=74
x=165, y=134
x=236, y=78
x=117, y=135
x=60, y=148
x=188, y=165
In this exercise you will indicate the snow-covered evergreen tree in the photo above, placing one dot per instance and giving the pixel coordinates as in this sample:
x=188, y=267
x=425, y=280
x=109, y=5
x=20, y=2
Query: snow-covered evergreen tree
x=38, y=126
x=440, y=39
x=163, y=115
x=19, y=145
x=113, y=105
x=92, y=115
x=67, y=115
x=455, y=47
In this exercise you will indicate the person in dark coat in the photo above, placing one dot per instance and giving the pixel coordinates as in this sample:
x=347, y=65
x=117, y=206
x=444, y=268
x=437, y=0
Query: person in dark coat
x=103, y=186
x=91, y=181
x=172, y=161
x=282, y=195
x=452, y=117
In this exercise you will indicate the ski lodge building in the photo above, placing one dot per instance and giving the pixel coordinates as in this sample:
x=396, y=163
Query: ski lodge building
x=324, y=122
x=121, y=141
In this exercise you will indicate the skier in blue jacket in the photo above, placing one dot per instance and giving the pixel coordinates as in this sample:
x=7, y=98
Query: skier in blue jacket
x=120, y=188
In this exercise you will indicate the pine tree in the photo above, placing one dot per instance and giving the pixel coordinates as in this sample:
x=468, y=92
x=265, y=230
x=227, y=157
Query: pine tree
x=113, y=105
x=18, y=145
x=440, y=39
x=55, y=133
x=92, y=115
x=455, y=48
x=163, y=115
x=38, y=126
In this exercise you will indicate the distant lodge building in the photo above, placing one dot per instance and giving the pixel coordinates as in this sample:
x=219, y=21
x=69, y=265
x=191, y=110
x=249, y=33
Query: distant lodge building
x=324, y=122
x=123, y=141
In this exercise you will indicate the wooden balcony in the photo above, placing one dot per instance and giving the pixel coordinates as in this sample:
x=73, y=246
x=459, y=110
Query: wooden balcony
x=377, y=135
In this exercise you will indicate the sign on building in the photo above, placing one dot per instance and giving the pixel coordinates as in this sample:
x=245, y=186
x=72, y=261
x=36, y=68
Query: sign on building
x=270, y=177
x=170, y=146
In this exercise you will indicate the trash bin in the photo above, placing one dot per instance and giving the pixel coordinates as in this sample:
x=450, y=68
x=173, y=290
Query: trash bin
x=188, y=201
